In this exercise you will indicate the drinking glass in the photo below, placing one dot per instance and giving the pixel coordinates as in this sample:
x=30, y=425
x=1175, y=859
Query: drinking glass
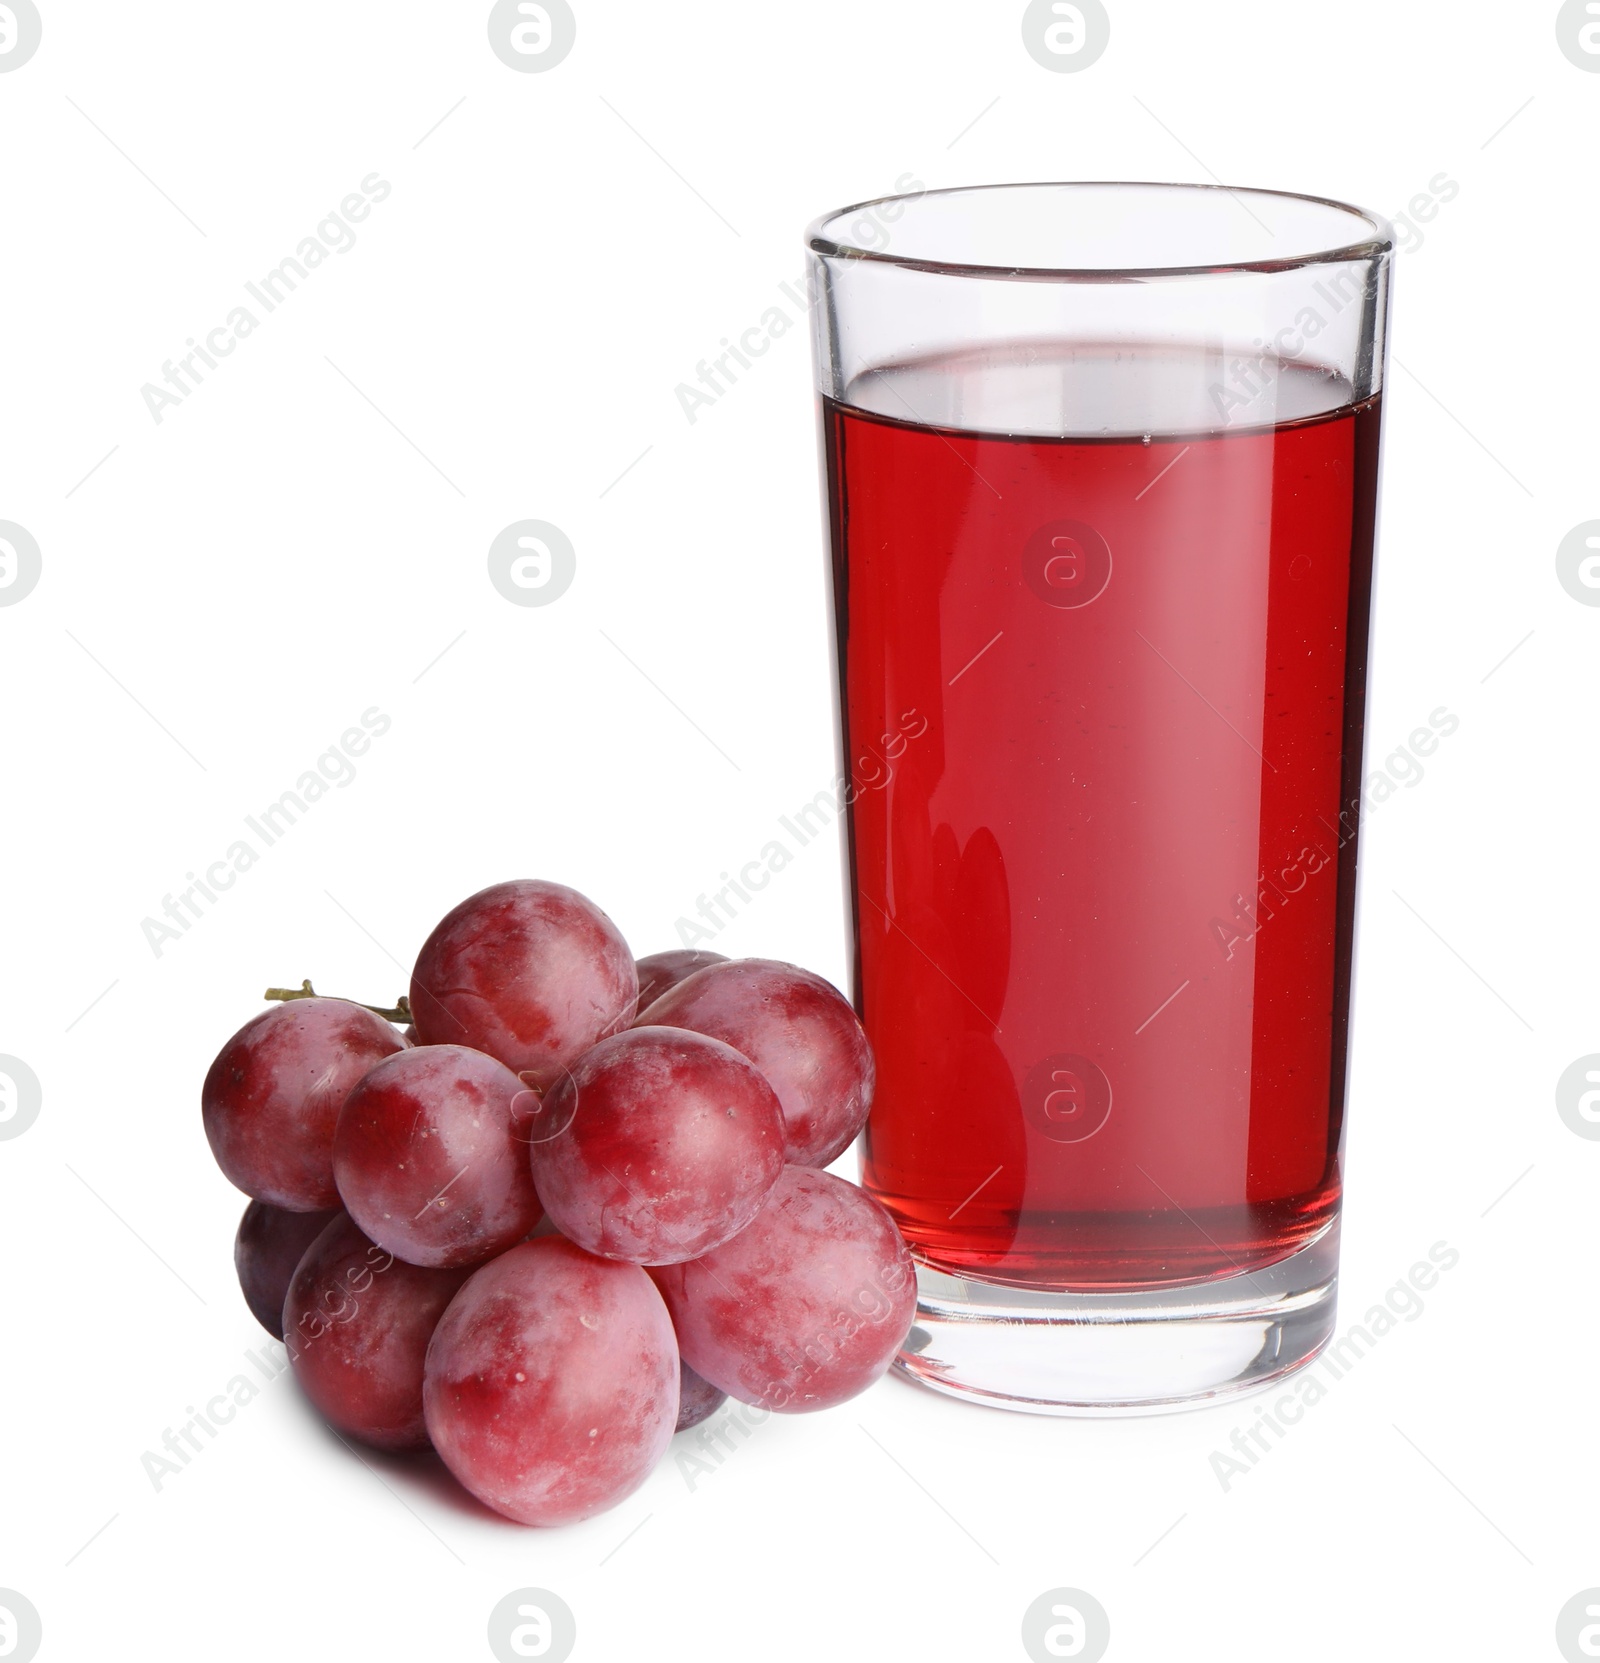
x=1102, y=473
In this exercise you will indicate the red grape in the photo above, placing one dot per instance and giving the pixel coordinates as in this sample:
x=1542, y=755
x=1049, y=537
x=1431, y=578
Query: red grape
x=270, y=1243
x=532, y=973
x=428, y=1159
x=806, y=1306
x=272, y=1097
x=798, y=1030
x=659, y=971
x=357, y=1322
x=698, y=1399
x=552, y=1382
x=668, y=1143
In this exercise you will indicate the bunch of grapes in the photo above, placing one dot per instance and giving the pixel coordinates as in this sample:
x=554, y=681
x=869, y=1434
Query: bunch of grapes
x=567, y=1209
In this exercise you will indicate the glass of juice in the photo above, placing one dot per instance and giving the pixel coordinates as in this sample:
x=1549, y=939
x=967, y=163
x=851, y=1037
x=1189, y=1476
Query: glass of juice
x=1102, y=474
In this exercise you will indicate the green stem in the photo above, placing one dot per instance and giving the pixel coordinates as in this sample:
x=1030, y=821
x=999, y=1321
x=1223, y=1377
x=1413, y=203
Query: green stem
x=400, y=1011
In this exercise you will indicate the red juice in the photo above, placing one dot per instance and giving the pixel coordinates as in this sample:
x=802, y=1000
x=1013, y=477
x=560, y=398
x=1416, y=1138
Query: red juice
x=1103, y=891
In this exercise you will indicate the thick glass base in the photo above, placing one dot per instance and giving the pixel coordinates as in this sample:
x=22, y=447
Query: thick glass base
x=1147, y=1353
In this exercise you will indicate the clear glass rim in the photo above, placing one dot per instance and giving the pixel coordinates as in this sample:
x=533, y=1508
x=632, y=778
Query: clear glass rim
x=1379, y=244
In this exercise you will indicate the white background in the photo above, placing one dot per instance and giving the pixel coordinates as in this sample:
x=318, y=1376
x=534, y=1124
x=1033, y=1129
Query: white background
x=231, y=588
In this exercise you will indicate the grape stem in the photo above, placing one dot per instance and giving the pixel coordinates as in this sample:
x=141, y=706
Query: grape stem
x=400, y=1011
